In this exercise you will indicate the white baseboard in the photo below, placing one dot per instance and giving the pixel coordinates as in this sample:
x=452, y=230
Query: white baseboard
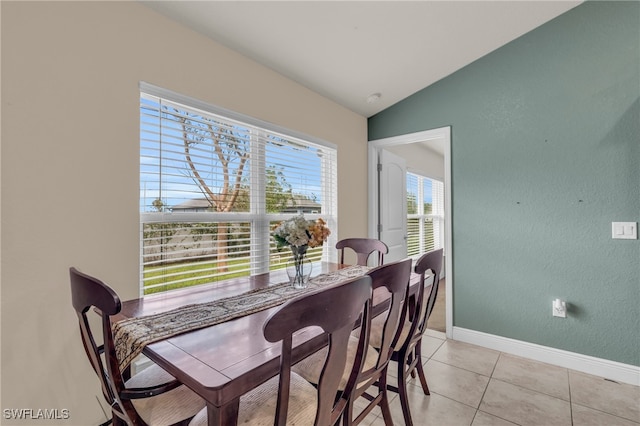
x=611, y=370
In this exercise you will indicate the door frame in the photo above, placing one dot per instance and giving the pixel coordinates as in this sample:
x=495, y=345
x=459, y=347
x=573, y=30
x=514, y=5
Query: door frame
x=443, y=133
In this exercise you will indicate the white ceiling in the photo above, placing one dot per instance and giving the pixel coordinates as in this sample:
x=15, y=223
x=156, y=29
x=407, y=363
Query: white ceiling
x=349, y=50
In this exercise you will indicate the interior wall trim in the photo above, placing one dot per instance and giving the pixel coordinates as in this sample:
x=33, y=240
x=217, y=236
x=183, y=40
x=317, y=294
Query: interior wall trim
x=444, y=134
x=611, y=370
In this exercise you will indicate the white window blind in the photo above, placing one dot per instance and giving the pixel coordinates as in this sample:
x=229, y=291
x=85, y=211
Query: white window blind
x=212, y=186
x=425, y=214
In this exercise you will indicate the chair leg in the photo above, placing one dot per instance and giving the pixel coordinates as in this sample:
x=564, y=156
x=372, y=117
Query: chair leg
x=413, y=370
x=384, y=402
x=423, y=379
x=408, y=358
x=347, y=415
x=117, y=421
x=402, y=389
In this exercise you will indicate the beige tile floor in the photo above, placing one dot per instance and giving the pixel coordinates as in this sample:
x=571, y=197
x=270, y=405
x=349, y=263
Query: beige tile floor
x=474, y=386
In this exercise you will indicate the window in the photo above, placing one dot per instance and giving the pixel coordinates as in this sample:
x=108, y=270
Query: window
x=214, y=183
x=425, y=214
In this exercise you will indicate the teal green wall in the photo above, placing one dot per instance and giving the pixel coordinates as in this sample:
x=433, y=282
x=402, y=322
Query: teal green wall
x=545, y=155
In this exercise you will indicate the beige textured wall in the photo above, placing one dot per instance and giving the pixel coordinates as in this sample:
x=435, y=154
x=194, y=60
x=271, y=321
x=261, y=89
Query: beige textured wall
x=70, y=73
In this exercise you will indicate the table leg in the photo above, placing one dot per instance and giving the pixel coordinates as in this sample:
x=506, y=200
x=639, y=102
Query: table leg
x=227, y=415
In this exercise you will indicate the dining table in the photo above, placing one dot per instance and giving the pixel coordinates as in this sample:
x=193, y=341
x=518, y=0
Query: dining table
x=222, y=362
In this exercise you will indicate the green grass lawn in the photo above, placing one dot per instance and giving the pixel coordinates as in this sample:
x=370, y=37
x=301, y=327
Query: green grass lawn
x=179, y=275
x=173, y=276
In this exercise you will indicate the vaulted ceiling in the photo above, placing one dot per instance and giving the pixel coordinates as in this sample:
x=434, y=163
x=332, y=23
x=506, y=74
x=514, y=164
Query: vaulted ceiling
x=364, y=55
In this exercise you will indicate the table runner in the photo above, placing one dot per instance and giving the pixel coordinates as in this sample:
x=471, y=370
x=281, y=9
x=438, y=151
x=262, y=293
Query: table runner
x=133, y=334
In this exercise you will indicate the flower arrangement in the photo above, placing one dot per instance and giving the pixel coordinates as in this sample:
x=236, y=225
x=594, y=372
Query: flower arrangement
x=298, y=232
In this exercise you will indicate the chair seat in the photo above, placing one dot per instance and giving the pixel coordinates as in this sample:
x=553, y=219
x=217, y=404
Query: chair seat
x=171, y=407
x=375, y=338
x=310, y=367
x=258, y=407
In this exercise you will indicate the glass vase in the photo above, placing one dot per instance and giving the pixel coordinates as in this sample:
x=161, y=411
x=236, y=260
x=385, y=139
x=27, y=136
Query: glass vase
x=299, y=267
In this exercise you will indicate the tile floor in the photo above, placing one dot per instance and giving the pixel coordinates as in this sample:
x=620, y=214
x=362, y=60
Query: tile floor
x=474, y=386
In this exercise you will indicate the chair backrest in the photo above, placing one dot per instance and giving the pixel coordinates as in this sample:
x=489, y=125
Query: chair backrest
x=88, y=293
x=336, y=310
x=363, y=248
x=394, y=277
x=431, y=261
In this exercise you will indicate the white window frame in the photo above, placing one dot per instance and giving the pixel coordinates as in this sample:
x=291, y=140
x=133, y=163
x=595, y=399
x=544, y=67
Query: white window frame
x=437, y=213
x=258, y=218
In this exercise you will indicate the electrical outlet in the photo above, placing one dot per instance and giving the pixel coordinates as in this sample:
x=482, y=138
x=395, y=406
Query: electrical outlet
x=559, y=308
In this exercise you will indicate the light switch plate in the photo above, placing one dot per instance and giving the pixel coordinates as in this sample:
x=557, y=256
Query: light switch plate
x=624, y=230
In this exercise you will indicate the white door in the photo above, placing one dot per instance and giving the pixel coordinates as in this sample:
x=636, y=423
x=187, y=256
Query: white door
x=392, y=204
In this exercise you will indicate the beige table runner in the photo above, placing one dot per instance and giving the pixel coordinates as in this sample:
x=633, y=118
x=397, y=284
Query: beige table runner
x=131, y=335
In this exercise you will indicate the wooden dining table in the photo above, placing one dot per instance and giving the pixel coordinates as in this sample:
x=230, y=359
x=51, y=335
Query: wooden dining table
x=224, y=361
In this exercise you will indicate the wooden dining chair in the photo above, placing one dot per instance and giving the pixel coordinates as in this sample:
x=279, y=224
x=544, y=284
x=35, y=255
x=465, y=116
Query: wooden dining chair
x=415, y=314
x=151, y=397
x=288, y=398
x=394, y=278
x=363, y=247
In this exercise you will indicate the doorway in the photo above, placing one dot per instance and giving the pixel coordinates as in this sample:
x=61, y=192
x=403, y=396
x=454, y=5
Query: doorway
x=376, y=147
